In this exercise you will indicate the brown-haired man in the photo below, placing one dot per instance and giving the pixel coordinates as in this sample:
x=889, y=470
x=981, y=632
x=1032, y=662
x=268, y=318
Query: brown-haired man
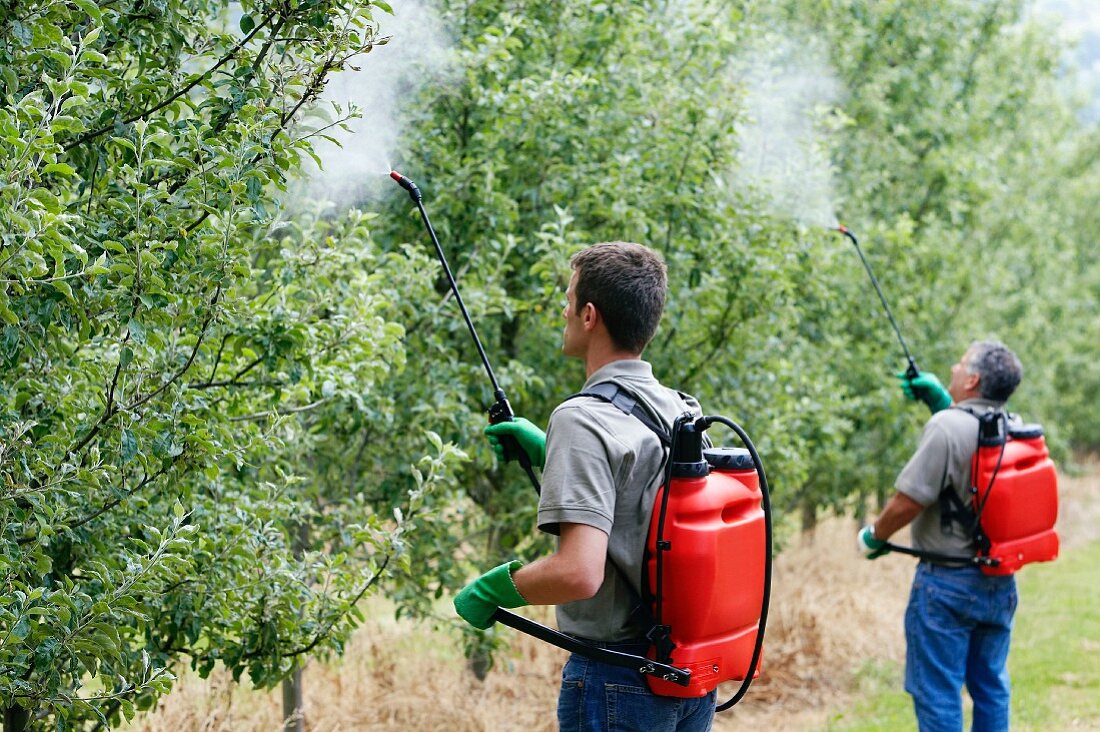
x=601, y=471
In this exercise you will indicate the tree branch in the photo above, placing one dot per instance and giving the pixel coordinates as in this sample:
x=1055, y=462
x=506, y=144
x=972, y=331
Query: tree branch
x=278, y=412
x=149, y=478
x=190, y=359
x=179, y=93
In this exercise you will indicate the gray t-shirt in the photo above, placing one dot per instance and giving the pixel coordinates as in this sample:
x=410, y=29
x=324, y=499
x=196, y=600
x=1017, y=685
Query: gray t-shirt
x=603, y=469
x=942, y=460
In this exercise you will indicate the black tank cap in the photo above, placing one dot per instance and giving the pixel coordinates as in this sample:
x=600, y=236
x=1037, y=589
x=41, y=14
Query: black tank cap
x=729, y=458
x=687, y=458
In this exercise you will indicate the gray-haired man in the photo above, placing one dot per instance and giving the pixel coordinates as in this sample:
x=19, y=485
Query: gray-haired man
x=958, y=622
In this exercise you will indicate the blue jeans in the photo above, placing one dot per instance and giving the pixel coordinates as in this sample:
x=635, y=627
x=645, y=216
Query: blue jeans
x=957, y=630
x=595, y=696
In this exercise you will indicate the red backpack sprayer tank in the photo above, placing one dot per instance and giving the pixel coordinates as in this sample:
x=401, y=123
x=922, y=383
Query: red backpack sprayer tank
x=1013, y=484
x=707, y=577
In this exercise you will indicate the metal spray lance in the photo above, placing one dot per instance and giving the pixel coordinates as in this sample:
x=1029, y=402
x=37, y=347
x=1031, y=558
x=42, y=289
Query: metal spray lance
x=501, y=410
x=911, y=371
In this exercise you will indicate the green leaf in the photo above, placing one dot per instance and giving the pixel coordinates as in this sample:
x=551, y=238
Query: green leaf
x=59, y=168
x=47, y=199
x=247, y=23
x=20, y=630
x=93, y=11
x=63, y=287
x=137, y=331
x=129, y=445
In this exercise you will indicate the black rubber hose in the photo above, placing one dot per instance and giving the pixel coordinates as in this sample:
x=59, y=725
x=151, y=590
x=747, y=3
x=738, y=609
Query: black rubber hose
x=765, y=500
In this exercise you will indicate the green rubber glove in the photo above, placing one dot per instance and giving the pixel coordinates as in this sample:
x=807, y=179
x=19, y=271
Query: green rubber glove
x=926, y=387
x=531, y=439
x=477, y=601
x=869, y=546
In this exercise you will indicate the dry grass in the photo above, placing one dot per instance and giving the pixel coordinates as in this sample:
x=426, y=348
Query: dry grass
x=831, y=612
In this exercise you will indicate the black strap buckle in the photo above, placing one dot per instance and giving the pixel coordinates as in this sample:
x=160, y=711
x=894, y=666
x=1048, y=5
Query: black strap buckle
x=661, y=638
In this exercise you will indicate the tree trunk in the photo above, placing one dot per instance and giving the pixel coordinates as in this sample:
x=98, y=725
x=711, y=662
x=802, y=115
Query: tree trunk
x=16, y=719
x=479, y=662
x=293, y=718
x=809, y=515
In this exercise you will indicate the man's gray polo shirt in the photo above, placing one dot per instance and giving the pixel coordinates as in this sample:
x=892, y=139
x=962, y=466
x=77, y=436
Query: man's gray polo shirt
x=942, y=460
x=603, y=469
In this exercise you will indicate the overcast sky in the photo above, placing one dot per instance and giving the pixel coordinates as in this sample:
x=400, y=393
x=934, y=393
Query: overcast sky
x=1080, y=23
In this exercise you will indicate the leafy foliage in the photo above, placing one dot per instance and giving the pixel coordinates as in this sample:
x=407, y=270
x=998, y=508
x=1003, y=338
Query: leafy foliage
x=583, y=123
x=186, y=372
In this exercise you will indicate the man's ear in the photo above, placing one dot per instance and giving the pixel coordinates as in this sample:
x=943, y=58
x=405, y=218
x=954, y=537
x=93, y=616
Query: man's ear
x=590, y=315
x=972, y=381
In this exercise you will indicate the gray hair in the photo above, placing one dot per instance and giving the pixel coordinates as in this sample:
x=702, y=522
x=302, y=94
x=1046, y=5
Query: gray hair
x=999, y=368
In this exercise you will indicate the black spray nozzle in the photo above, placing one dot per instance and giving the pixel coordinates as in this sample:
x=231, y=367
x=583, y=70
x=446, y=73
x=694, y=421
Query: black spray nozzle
x=911, y=371
x=408, y=185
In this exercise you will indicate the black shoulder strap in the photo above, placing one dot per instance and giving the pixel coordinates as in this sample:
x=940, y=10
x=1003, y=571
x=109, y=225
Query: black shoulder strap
x=954, y=510
x=627, y=403
x=992, y=431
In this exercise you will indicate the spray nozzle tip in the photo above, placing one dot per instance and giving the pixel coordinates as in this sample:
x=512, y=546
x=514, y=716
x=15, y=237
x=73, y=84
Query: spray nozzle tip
x=842, y=228
x=407, y=184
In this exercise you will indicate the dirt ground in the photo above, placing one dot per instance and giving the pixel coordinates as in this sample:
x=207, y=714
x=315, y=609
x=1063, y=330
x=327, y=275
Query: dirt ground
x=831, y=612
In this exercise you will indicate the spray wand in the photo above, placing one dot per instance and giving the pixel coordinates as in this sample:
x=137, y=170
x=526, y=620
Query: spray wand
x=501, y=410
x=911, y=371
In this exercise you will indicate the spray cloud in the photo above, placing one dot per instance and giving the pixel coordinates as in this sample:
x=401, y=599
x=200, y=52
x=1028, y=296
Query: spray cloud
x=375, y=84
x=783, y=156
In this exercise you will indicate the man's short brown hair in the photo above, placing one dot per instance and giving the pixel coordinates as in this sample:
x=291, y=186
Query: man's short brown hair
x=628, y=284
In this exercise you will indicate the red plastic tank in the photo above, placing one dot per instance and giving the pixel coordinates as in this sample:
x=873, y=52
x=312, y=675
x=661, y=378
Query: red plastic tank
x=713, y=572
x=1022, y=507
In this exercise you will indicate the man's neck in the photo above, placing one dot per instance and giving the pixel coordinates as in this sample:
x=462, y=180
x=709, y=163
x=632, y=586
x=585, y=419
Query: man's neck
x=967, y=396
x=593, y=362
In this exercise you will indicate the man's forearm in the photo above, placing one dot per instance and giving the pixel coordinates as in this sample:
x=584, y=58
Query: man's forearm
x=900, y=510
x=573, y=572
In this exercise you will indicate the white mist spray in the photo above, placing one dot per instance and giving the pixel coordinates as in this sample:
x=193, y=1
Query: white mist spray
x=783, y=157
x=375, y=84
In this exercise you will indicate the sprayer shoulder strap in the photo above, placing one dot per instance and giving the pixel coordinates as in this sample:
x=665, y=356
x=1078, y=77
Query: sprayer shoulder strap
x=627, y=403
x=953, y=510
x=992, y=432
